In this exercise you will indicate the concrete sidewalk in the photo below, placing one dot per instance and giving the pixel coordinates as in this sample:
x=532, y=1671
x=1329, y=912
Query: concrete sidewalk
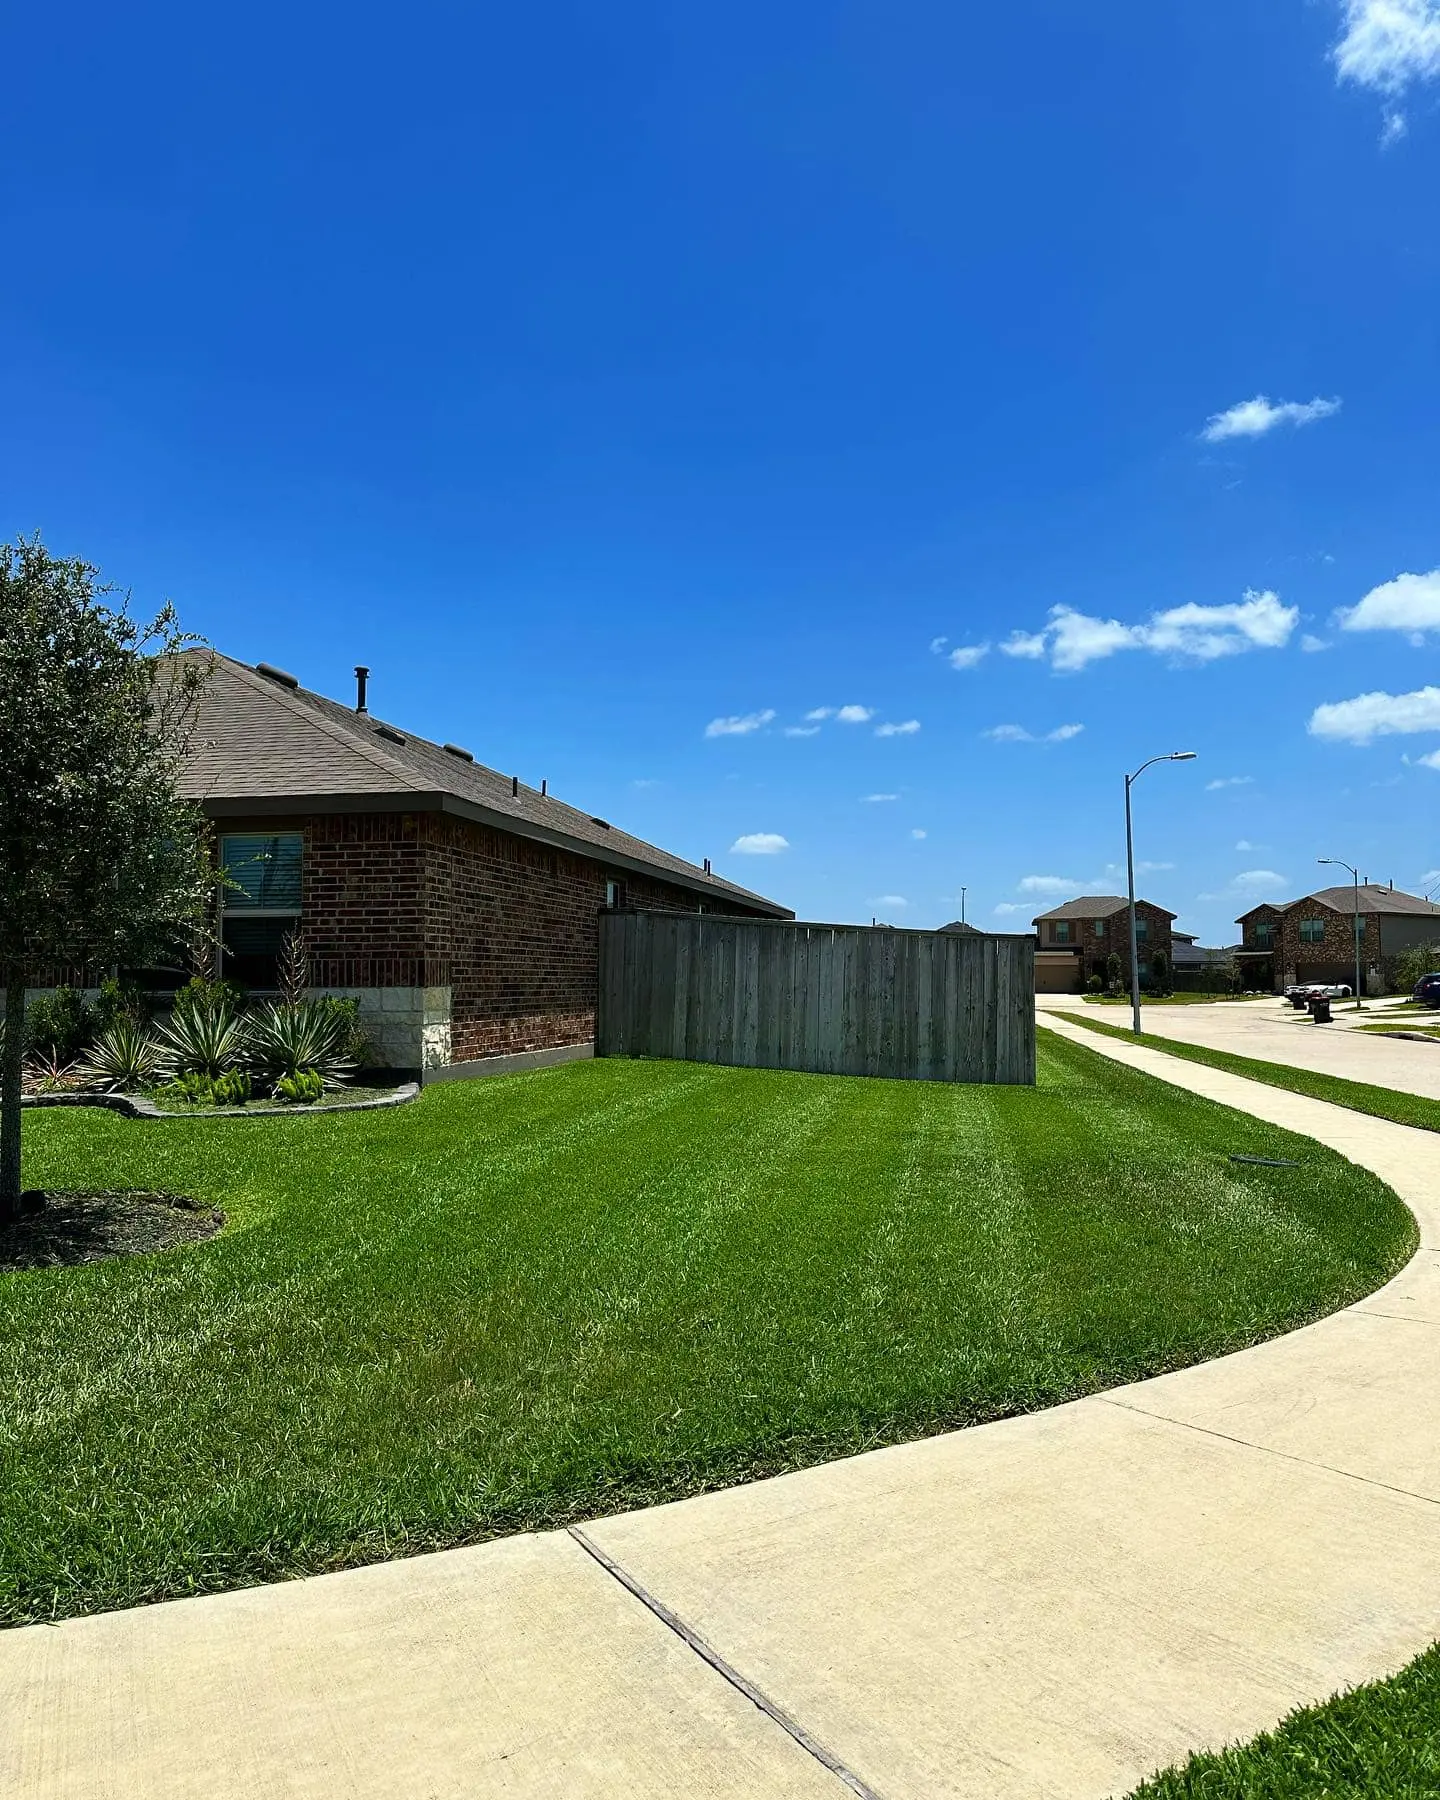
x=1273, y=1032
x=1050, y=1606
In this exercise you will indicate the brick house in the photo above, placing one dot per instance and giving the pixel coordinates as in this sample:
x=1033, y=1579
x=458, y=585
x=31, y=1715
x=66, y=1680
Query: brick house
x=1314, y=938
x=1076, y=940
x=458, y=905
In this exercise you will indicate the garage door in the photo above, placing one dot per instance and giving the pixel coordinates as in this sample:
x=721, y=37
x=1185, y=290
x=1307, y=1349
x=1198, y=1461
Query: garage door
x=1057, y=974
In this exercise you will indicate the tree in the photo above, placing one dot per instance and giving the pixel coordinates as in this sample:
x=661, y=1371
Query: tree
x=101, y=861
x=1160, y=973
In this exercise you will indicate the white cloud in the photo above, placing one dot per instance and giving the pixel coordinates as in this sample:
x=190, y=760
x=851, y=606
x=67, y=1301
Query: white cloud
x=1310, y=644
x=855, y=715
x=1048, y=884
x=1190, y=633
x=740, y=724
x=907, y=728
x=877, y=799
x=817, y=713
x=1008, y=908
x=759, y=843
x=897, y=901
x=1432, y=761
x=1017, y=734
x=1369, y=716
x=1030, y=645
x=1257, y=881
x=919, y=833
x=937, y=645
x=1393, y=126
x=1228, y=781
x=1254, y=418
x=801, y=731
x=968, y=655
x=1389, y=44
x=1245, y=844
x=1408, y=603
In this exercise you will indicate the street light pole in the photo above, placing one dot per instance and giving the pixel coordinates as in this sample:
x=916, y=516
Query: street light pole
x=1340, y=863
x=1130, y=780
x=963, y=893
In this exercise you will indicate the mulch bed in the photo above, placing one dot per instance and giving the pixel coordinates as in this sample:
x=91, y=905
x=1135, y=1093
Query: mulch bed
x=85, y=1228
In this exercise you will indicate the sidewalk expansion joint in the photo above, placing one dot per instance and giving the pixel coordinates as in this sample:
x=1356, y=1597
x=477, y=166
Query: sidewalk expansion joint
x=1305, y=1462
x=791, y=1727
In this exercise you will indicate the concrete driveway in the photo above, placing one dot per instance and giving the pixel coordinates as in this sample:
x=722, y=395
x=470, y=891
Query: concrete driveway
x=1042, y=1609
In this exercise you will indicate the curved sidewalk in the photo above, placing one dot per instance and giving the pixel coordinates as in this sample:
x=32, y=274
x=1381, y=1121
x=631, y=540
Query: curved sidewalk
x=1049, y=1606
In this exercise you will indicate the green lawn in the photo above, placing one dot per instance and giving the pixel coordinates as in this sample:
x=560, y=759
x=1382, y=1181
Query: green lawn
x=1165, y=999
x=1359, y=1096
x=1380, y=1742
x=529, y=1299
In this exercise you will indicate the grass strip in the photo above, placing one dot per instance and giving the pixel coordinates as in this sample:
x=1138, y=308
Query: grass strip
x=1378, y=1742
x=542, y=1297
x=1381, y=1103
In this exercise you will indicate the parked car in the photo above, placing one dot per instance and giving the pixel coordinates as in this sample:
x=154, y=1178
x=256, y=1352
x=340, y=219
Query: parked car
x=1322, y=990
x=1427, y=990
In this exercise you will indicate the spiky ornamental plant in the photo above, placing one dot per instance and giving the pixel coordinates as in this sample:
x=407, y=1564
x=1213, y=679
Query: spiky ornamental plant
x=292, y=975
x=101, y=860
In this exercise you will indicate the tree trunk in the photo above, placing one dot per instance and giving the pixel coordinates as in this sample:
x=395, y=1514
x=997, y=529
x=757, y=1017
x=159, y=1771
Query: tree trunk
x=12, y=1060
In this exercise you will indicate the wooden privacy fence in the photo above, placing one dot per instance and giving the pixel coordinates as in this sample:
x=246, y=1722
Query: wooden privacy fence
x=826, y=999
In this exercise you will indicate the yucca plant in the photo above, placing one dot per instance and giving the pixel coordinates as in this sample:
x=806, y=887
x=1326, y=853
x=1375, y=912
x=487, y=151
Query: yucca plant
x=283, y=1040
x=126, y=1055
x=203, y=1040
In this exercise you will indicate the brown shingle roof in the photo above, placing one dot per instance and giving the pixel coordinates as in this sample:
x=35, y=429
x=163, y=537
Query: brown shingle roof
x=1096, y=906
x=261, y=743
x=1386, y=901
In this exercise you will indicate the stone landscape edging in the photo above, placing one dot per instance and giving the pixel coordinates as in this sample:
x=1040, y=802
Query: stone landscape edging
x=132, y=1106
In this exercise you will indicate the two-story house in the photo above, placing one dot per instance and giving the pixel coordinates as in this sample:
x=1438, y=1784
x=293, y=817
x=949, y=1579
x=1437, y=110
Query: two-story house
x=1076, y=940
x=1315, y=938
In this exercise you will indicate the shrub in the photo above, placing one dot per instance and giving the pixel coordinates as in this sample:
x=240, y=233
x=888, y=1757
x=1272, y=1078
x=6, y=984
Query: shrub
x=57, y=1025
x=194, y=1089
x=1096, y=984
x=118, y=1000
x=1114, y=973
x=204, y=1036
x=1407, y=968
x=125, y=1056
x=282, y=1040
x=202, y=996
x=303, y=1088
x=1160, y=973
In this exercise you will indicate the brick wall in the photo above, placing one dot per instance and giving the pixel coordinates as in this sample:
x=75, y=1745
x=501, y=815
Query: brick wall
x=423, y=901
x=515, y=923
x=1095, y=946
x=1333, y=957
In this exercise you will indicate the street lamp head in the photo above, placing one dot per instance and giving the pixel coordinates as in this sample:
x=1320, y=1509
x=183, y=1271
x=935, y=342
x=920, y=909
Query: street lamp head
x=1182, y=756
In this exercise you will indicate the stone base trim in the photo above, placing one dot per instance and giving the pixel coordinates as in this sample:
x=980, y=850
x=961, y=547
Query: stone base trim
x=514, y=1064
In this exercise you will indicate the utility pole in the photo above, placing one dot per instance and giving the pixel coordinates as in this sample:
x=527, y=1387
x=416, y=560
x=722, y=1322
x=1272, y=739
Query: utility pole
x=1130, y=780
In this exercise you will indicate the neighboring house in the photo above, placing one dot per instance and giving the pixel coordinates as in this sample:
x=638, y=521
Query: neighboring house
x=1190, y=957
x=959, y=925
x=1076, y=940
x=457, y=904
x=1315, y=938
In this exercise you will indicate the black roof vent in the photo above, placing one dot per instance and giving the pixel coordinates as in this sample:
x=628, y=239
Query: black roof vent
x=271, y=673
x=604, y=824
x=389, y=733
x=455, y=750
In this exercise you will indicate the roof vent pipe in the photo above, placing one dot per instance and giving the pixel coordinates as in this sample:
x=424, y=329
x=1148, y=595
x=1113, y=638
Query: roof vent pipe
x=362, y=678
x=707, y=865
x=515, y=786
x=543, y=789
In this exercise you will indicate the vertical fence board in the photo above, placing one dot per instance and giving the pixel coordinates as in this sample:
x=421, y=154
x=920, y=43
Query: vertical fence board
x=833, y=999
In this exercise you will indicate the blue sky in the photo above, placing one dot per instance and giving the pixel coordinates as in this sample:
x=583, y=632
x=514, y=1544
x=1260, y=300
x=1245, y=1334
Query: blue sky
x=631, y=387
